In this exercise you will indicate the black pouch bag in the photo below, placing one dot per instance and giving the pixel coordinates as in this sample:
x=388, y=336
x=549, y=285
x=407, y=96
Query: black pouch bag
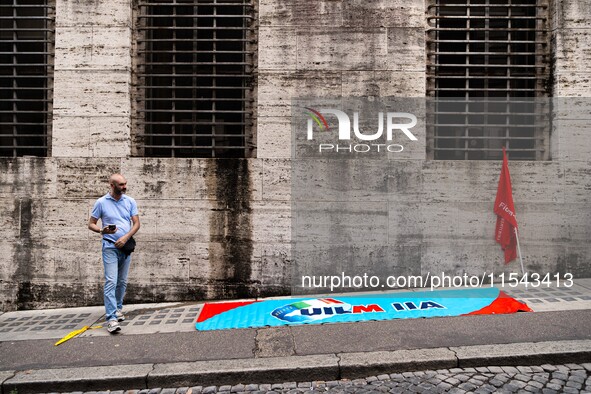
x=129, y=246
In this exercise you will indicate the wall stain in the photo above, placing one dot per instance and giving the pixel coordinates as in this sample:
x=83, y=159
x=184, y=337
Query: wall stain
x=230, y=244
x=23, y=251
x=165, y=292
x=28, y=190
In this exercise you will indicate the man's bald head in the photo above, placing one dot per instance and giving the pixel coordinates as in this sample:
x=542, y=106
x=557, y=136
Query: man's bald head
x=118, y=185
x=116, y=178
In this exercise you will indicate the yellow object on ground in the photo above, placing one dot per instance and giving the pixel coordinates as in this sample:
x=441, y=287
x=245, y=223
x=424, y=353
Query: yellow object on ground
x=74, y=333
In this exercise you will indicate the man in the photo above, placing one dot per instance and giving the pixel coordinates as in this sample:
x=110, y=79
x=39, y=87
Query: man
x=120, y=221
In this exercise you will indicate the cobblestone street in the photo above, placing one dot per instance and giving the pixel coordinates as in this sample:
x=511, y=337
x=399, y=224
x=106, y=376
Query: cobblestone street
x=547, y=379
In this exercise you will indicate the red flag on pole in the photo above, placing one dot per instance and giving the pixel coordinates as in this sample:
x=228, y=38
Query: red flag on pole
x=505, y=211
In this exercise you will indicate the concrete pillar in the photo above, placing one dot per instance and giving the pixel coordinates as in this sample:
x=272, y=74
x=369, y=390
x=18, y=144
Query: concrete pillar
x=571, y=34
x=92, y=103
x=332, y=49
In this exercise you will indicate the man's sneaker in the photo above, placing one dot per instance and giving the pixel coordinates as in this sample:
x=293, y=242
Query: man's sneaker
x=120, y=315
x=113, y=326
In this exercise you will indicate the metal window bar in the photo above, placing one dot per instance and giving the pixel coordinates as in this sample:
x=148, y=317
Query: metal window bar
x=488, y=68
x=194, y=78
x=26, y=76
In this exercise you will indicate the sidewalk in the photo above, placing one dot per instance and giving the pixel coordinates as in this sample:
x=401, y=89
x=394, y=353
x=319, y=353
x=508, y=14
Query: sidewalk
x=160, y=347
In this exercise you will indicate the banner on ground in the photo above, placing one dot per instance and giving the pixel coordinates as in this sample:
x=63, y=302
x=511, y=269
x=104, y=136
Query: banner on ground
x=398, y=305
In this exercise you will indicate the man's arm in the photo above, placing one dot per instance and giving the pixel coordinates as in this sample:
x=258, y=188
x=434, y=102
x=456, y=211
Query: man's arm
x=135, y=220
x=92, y=226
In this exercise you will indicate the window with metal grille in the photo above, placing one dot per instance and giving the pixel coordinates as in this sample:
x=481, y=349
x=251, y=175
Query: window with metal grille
x=195, y=78
x=26, y=76
x=488, y=69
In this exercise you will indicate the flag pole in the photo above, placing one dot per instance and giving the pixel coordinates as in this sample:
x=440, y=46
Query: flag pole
x=519, y=250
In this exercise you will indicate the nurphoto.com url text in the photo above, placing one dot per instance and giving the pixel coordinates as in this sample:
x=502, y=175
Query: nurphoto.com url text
x=433, y=282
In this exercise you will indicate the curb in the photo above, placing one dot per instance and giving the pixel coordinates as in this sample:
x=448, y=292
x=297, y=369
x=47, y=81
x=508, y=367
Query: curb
x=295, y=368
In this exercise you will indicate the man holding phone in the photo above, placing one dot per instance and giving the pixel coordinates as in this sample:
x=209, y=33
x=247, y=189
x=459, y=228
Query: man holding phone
x=120, y=221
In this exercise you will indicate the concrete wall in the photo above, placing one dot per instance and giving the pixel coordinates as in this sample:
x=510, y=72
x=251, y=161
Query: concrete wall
x=221, y=228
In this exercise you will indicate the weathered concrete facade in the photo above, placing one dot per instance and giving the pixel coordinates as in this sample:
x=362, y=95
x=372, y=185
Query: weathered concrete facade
x=221, y=228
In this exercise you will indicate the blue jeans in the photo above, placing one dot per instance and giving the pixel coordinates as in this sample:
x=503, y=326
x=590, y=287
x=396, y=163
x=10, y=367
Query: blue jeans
x=116, y=265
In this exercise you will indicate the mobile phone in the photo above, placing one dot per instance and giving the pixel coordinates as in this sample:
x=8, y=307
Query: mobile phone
x=111, y=227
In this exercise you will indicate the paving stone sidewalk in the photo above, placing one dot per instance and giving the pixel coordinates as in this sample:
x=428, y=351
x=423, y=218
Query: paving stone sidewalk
x=546, y=379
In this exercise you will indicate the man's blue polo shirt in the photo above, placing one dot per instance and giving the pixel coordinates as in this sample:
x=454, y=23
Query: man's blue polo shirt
x=119, y=213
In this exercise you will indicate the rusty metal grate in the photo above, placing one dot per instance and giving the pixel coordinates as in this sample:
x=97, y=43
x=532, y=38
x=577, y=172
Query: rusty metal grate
x=195, y=78
x=488, y=66
x=26, y=76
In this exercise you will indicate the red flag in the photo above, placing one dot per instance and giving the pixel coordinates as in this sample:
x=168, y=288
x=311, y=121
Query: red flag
x=505, y=211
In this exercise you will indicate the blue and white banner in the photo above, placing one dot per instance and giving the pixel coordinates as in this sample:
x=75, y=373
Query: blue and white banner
x=396, y=305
